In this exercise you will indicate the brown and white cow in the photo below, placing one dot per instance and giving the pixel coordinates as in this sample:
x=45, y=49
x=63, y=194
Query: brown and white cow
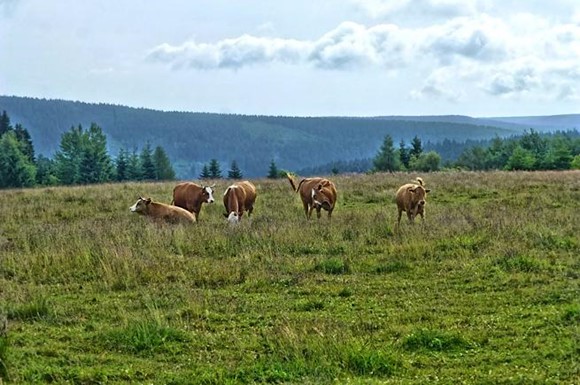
x=239, y=197
x=161, y=211
x=190, y=196
x=411, y=198
x=316, y=193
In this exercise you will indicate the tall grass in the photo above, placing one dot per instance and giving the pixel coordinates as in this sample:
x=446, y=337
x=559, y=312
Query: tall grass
x=485, y=291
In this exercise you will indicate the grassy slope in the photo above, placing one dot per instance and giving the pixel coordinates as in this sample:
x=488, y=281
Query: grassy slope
x=486, y=292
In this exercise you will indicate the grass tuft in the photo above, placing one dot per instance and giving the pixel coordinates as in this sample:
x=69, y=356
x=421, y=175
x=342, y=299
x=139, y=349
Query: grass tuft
x=436, y=341
x=144, y=337
x=333, y=266
x=36, y=310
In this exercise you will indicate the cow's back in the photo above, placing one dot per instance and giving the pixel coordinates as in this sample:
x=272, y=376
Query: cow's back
x=170, y=213
x=249, y=191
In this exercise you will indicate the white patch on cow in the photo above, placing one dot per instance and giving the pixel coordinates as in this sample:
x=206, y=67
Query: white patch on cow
x=317, y=203
x=134, y=207
x=210, y=193
x=233, y=218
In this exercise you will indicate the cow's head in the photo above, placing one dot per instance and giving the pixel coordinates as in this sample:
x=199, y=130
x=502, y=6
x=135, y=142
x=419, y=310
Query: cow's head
x=419, y=194
x=141, y=205
x=320, y=197
x=233, y=218
x=207, y=194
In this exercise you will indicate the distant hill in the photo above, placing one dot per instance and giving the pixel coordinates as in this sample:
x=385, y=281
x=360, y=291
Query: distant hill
x=191, y=139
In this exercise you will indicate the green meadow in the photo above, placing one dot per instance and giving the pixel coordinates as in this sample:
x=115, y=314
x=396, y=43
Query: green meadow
x=485, y=291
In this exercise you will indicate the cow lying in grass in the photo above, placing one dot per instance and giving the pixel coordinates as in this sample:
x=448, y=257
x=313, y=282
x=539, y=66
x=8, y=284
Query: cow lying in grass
x=239, y=197
x=161, y=211
x=411, y=198
x=316, y=193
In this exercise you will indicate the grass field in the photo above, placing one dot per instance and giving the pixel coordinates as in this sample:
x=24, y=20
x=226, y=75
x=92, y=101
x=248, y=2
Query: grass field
x=486, y=291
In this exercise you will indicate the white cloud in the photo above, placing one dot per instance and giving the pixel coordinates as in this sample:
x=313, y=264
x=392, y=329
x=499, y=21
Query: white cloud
x=422, y=9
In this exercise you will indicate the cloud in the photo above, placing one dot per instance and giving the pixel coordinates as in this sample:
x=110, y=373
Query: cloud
x=525, y=55
x=422, y=9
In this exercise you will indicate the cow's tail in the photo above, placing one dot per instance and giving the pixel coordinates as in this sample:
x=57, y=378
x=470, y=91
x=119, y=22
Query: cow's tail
x=292, y=182
x=420, y=180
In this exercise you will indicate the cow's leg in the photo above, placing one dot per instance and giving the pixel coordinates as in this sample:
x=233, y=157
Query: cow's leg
x=399, y=218
x=250, y=209
x=306, y=210
x=410, y=216
x=318, y=212
x=329, y=214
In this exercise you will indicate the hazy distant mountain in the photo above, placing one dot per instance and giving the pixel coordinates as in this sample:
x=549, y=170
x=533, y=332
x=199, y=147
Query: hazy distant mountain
x=191, y=139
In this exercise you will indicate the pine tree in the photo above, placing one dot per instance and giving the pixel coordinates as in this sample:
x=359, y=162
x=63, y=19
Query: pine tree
x=121, y=165
x=416, y=147
x=68, y=157
x=45, y=171
x=4, y=123
x=273, y=172
x=163, y=168
x=204, y=172
x=134, y=166
x=16, y=170
x=404, y=155
x=215, y=171
x=25, y=140
x=147, y=165
x=234, y=172
x=95, y=165
x=386, y=159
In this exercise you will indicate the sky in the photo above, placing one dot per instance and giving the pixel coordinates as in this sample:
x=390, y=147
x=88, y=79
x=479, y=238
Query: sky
x=481, y=58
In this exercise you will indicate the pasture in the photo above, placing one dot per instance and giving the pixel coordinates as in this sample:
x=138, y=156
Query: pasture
x=487, y=291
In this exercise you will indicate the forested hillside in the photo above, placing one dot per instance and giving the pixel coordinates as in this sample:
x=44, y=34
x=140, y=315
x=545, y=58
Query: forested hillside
x=192, y=139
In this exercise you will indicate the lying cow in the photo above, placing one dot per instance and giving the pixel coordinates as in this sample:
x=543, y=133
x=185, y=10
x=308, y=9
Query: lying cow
x=411, y=199
x=161, y=211
x=316, y=193
x=190, y=196
x=238, y=198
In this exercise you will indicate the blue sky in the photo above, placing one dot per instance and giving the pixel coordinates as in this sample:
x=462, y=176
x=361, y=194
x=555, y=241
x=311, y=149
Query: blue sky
x=299, y=57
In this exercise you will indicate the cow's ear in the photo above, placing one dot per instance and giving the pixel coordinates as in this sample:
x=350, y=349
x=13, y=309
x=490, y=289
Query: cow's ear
x=320, y=187
x=428, y=190
x=148, y=200
x=411, y=189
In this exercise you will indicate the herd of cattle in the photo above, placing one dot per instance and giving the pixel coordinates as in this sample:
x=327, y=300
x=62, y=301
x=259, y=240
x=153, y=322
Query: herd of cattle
x=316, y=194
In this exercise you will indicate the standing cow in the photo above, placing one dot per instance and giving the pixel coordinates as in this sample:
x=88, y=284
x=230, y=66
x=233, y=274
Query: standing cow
x=316, y=193
x=190, y=196
x=161, y=211
x=411, y=198
x=239, y=197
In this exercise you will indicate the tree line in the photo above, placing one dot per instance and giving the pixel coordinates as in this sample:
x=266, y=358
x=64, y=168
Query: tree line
x=82, y=158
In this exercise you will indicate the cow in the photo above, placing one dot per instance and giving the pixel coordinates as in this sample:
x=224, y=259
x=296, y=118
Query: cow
x=190, y=196
x=161, y=211
x=239, y=197
x=316, y=193
x=411, y=198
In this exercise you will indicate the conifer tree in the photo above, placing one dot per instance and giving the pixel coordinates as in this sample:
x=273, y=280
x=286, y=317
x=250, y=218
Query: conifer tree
x=121, y=165
x=273, y=172
x=163, y=168
x=147, y=165
x=16, y=170
x=204, y=172
x=133, y=166
x=234, y=172
x=23, y=136
x=215, y=171
x=386, y=159
x=4, y=123
x=404, y=155
x=416, y=147
x=95, y=165
x=68, y=157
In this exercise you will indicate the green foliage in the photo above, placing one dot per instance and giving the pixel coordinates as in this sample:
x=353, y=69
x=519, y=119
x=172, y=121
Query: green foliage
x=148, y=171
x=333, y=266
x=16, y=169
x=273, y=172
x=575, y=164
x=426, y=162
x=163, y=168
x=4, y=348
x=144, y=337
x=404, y=154
x=35, y=310
x=234, y=172
x=416, y=147
x=95, y=164
x=387, y=159
x=435, y=340
x=205, y=174
x=214, y=169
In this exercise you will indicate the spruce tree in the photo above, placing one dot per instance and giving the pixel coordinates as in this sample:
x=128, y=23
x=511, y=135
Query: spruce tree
x=147, y=165
x=25, y=140
x=215, y=171
x=386, y=159
x=234, y=172
x=416, y=147
x=96, y=165
x=163, y=168
x=4, y=123
x=68, y=157
x=121, y=165
x=16, y=170
x=273, y=172
x=204, y=172
x=134, y=166
x=404, y=154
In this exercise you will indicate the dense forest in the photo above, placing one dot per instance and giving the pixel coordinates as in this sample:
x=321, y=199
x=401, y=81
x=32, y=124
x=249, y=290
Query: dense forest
x=192, y=140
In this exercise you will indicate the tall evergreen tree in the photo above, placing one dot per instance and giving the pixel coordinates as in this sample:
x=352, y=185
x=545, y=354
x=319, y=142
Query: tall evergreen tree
x=204, y=172
x=234, y=172
x=215, y=171
x=121, y=165
x=4, y=123
x=134, y=166
x=404, y=154
x=386, y=159
x=96, y=165
x=163, y=168
x=147, y=165
x=68, y=157
x=45, y=171
x=273, y=172
x=25, y=140
x=16, y=170
x=416, y=147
